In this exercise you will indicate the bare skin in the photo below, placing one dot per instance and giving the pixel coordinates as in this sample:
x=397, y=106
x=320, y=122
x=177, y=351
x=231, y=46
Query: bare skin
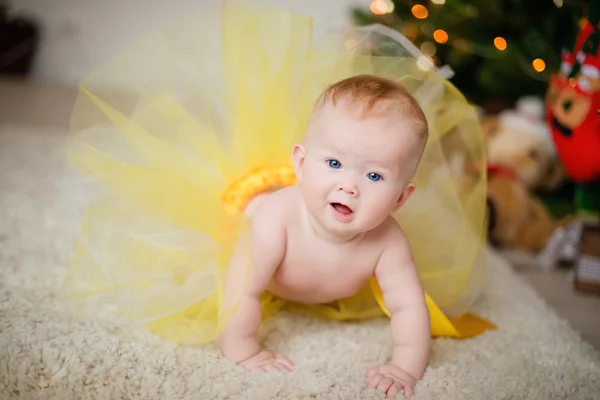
x=323, y=239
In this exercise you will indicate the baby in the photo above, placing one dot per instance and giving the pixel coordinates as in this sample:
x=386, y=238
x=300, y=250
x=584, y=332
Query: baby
x=324, y=238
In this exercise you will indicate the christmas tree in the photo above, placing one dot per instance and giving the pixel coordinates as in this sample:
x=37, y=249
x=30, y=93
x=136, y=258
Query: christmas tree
x=499, y=49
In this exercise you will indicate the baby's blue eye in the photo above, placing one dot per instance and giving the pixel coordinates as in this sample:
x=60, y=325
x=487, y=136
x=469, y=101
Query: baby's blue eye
x=335, y=164
x=374, y=176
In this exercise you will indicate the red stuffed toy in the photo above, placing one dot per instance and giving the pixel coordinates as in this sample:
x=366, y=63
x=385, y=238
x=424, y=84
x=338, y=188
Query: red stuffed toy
x=573, y=115
x=573, y=112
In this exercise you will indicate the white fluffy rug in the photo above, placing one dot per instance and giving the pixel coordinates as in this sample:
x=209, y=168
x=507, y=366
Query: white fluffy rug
x=50, y=350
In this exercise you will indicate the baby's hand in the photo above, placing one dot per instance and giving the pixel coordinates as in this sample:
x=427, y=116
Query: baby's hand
x=391, y=379
x=266, y=361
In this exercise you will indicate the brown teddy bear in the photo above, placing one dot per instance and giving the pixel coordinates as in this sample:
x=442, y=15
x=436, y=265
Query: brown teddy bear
x=521, y=158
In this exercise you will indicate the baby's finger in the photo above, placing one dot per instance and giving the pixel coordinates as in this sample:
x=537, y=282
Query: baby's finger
x=372, y=372
x=385, y=384
x=408, y=391
x=257, y=369
x=375, y=379
x=397, y=373
x=249, y=367
x=282, y=367
x=394, y=390
x=285, y=361
x=270, y=367
x=257, y=359
x=264, y=362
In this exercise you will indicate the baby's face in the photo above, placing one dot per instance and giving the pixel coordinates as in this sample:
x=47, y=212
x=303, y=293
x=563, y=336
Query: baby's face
x=355, y=172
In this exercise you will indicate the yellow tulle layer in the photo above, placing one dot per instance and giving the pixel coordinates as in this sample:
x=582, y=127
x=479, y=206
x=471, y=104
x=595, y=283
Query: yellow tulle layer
x=184, y=127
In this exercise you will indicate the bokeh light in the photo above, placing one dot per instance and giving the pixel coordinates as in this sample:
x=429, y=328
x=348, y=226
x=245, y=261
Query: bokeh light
x=440, y=36
x=500, y=43
x=539, y=65
x=419, y=11
x=381, y=7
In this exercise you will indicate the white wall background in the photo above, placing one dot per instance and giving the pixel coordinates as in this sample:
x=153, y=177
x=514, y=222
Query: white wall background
x=81, y=34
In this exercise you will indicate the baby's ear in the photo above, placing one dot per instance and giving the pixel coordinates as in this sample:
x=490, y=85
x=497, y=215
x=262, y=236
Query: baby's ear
x=299, y=153
x=406, y=193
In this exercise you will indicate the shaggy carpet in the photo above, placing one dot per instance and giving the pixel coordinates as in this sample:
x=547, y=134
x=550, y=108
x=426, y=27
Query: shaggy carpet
x=50, y=349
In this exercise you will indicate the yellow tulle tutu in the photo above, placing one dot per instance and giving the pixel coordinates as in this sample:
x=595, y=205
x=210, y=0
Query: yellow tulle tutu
x=184, y=127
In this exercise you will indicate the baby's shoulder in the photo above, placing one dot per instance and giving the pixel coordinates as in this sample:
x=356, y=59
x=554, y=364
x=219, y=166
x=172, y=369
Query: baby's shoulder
x=390, y=234
x=277, y=206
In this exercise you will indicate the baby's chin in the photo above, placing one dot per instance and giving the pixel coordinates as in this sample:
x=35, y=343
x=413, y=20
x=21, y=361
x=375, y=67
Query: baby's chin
x=347, y=228
x=343, y=232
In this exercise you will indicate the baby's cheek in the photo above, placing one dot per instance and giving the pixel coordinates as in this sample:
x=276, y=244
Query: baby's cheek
x=391, y=199
x=321, y=178
x=315, y=183
x=379, y=202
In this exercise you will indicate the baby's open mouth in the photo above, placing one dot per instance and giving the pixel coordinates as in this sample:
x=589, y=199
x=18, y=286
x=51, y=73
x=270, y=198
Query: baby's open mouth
x=342, y=212
x=342, y=208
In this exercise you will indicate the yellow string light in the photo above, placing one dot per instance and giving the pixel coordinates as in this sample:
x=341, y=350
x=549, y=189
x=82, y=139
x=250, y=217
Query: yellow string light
x=419, y=11
x=379, y=7
x=390, y=6
x=440, y=36
x=500, y=43
x=539, y=65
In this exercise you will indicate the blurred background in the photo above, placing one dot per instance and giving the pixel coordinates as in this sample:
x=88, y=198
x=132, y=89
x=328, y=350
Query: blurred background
x=62, y=40
x=500, y=50
x=54, y=44
x=503, y=54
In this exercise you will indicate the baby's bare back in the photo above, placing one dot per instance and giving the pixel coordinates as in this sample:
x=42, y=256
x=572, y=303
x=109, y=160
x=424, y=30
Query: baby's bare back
x=314, y=270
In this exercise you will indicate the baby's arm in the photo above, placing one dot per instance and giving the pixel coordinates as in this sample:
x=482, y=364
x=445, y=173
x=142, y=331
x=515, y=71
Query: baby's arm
x=410, y=328
x=264, y=244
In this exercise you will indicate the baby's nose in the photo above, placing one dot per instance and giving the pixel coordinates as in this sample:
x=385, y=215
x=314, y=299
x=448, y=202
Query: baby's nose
x=349, y=189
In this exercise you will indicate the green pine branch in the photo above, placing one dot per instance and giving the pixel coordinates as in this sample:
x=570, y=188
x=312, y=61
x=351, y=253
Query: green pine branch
x=532, y=29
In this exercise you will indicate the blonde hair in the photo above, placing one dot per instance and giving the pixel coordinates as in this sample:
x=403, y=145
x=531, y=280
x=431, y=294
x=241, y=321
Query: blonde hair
x=374, y=95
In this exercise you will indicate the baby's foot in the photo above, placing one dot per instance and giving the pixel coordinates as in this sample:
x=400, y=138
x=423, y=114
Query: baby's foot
x=266, y=361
